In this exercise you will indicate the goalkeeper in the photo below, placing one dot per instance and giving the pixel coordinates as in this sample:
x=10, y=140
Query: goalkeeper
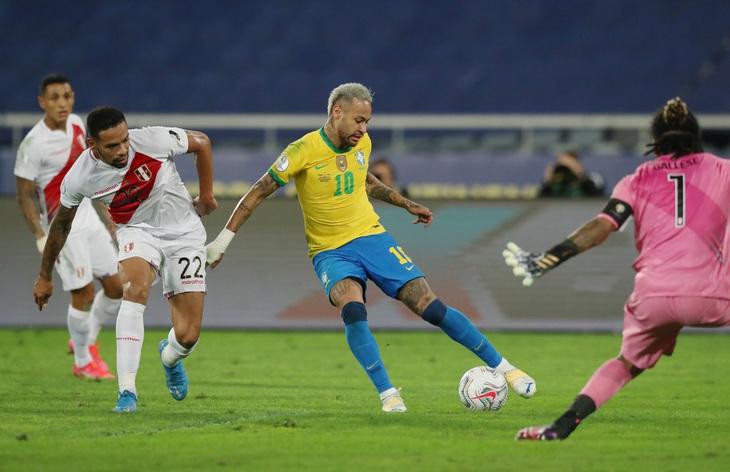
x=680, y=202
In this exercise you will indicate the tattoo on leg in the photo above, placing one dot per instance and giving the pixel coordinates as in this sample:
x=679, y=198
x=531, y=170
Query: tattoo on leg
x=416, y=295
x=342, y=288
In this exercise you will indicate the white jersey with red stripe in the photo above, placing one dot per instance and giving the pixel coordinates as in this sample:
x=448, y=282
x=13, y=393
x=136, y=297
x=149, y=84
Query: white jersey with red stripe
x=45, y=156
x=147, y=193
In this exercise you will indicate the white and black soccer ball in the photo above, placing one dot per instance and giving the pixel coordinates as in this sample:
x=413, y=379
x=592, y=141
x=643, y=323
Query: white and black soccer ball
x=483, y=389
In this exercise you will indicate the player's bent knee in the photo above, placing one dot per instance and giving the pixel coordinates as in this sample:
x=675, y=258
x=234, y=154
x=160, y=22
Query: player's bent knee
x=137, y=293
x=112, y=287
x=353, y=312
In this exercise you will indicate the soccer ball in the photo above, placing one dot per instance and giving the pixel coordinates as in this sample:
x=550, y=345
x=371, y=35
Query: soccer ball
x=482, y=388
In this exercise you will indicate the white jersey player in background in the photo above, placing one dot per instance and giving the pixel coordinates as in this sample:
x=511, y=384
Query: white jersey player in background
x=44, y=157
x=159, y=233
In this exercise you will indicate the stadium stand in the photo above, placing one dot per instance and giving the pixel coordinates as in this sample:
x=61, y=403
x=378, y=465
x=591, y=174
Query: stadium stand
x=282, y=56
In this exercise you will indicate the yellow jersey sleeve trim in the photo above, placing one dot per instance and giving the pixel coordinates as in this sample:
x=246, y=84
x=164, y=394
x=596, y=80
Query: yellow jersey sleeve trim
x=276, y=178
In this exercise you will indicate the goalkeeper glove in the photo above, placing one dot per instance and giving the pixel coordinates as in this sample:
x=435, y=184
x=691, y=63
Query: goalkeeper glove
x=215, y=249
x=531, y=266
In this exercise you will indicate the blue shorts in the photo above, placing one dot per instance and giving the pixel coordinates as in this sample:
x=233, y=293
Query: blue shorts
x=377, y=257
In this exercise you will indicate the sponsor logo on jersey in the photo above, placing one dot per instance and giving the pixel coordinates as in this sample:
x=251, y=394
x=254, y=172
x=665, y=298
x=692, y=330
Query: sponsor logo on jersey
x=108, y=189
x=143, y=173
x=360, y=158
x=319, y=167
x=128, y=247
x=342, y=163
x=282, y=163
x=174, y=135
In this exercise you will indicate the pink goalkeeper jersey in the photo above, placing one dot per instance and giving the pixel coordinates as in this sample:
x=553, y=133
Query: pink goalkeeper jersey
x=681, y=209
x=147, y=193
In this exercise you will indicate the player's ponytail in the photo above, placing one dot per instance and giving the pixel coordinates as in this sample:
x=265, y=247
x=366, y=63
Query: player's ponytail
x=675, y=131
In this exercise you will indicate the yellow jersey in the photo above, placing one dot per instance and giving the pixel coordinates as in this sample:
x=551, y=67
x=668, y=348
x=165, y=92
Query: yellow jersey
x=330, y=186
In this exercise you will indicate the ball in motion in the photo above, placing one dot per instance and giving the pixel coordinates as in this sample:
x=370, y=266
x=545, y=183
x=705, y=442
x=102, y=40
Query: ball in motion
x=483, y=389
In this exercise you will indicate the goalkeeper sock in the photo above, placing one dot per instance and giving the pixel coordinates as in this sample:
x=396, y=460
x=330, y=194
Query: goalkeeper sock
x=607, y=381
x=363, y=344
x=78, y=327
x=130, y=337
x=581, y=407
x=458, y=327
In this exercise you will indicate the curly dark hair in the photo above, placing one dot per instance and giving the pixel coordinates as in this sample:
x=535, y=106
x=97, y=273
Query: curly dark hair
x=675, y=131
x=102, y=118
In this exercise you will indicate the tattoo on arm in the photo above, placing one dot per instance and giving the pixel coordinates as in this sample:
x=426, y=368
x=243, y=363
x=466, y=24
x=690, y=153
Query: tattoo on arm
x=57, y=234
x=591, y=234
x=382, y=193
x=264, y=187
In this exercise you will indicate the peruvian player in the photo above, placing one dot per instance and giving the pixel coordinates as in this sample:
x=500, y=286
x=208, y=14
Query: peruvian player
x=680, y=203
x=159, y=233
x=46, y=154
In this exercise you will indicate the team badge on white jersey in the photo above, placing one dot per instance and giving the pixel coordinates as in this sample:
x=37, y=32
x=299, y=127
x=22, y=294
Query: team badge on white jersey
x=143, y=173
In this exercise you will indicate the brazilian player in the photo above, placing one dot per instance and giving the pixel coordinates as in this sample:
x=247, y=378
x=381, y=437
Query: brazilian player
x=347, y=243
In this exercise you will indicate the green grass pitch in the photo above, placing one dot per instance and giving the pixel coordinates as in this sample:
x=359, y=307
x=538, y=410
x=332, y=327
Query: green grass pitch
x=269, y=401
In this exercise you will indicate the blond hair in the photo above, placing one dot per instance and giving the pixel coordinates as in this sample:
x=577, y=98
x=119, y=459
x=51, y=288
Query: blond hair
x=345, y=93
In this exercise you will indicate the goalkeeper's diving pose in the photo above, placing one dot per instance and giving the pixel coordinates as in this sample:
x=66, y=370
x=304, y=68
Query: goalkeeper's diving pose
x=680, y=203
x=347, y=243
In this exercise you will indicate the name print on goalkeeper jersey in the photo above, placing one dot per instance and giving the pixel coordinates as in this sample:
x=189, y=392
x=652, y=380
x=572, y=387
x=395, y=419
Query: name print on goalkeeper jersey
x=136, y=187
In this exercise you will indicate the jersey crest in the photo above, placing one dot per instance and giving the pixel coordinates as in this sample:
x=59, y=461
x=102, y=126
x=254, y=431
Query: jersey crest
x=135, y=189
x=360, y=156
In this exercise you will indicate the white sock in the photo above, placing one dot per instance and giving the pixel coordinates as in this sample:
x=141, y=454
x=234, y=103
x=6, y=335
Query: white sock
x=130, y=337
x=103, y=311
x=504, y=366
x=78, y=327
x=174, y=350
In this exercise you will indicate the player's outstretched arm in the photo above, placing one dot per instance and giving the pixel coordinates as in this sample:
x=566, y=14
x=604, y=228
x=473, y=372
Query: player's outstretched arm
x=531, y=266
x=378, y=190
x=57, y=234
x=265, y=186
x=199, y=145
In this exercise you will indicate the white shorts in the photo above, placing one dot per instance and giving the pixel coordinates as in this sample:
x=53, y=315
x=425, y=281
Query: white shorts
x=89, y=253
x=179, y=262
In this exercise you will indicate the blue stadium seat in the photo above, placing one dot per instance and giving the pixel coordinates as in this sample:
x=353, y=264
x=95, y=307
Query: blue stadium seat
x=284, y=56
